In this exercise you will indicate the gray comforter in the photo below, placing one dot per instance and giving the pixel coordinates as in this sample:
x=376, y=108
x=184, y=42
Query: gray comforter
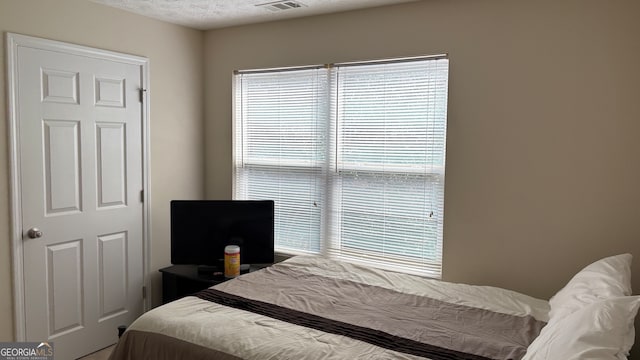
x=314, y=308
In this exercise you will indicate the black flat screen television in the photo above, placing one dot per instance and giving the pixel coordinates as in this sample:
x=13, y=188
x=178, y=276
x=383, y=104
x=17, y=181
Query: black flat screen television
x=200, y=230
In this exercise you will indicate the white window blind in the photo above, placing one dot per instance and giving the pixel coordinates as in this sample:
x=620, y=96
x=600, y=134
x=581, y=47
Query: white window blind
x=388, y=184
x=353, y=155
x=280, y=152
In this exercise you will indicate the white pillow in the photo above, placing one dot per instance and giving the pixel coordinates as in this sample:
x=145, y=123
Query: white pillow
x=602, y=330
x=604, y=279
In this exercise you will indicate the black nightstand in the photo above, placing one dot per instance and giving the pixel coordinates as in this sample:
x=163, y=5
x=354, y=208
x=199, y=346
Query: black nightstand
x=182, y=280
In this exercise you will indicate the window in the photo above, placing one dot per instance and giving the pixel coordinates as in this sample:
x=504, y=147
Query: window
x=353, y=155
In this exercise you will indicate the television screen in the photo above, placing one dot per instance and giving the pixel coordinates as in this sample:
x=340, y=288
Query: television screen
x=200, y=230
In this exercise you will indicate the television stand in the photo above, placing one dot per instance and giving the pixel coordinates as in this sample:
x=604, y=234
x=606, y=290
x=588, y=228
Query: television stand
x=210, y=269
x=219, y=269
x=182, y=280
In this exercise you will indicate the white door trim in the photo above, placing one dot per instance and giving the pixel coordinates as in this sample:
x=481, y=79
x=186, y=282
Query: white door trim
x=14, y=41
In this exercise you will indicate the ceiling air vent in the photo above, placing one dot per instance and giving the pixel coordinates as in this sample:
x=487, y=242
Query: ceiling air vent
x=282, y=5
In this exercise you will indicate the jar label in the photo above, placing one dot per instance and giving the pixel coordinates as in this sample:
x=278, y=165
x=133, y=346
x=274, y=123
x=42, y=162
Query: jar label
x=231, y=265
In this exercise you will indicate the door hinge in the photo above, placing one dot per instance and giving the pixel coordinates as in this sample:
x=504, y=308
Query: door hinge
x=141, y=195
x=144, y=292
x=142, y=91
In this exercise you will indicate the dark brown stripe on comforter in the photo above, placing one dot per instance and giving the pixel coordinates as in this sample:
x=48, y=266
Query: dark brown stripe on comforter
x=371, y=336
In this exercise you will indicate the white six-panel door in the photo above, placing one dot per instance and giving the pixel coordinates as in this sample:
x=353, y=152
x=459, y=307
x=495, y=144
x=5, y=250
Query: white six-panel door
x=79, y=124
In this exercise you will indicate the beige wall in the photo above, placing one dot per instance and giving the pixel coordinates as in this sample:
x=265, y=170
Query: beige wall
x=543, y=143
x=542, y=175
x=176, y=66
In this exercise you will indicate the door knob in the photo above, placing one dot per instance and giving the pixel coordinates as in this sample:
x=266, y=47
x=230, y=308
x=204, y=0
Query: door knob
x=34, y=233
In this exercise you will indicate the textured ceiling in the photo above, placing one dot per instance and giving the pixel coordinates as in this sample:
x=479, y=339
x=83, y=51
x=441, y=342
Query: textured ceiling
x=212, y=14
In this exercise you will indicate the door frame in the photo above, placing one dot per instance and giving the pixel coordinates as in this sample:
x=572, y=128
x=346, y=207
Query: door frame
x=13, y=43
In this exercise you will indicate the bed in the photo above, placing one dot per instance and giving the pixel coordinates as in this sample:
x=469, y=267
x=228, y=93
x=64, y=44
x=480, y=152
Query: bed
x=311, y=307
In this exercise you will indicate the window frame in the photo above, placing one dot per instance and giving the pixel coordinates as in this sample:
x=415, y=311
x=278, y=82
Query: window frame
x=332, y=168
